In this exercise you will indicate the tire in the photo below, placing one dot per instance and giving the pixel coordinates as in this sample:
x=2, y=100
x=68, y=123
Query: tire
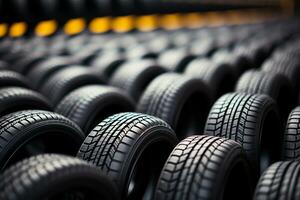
x=249, y=52
x=181, y=101
x=67, y=80
x=124, y=147
x=287, y=67
x=220, y=78
x=227, y=58
x=26, y=63
x=276, y=86
x=205, y=167
x=133, y=77
x=105, y=65
x=52, y=176
x=175, y=59
x=40, y=73
x=251, y=120
x=290, y=142
x=31, y=132
x=11, y=78
x=89, y=105
x=14, y=99
x=279, y=181
x=4, y=65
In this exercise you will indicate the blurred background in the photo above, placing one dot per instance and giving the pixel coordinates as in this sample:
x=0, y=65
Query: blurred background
x=46, y=17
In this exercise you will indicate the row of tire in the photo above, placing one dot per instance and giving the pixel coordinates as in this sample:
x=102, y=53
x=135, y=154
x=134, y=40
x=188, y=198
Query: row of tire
x=139, y=156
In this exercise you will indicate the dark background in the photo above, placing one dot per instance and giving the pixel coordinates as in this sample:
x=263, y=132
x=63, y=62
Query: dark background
x=297, y=3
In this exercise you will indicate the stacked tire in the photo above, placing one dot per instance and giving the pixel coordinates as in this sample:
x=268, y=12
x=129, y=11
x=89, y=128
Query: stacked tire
x=209, y=113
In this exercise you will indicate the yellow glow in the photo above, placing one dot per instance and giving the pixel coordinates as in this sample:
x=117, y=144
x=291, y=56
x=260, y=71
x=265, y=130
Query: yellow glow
x=100, y=25
x=194, y=20
x=215, y=18
x=288, y=6
x=171, y=21
x=74, y=26
x=146, y=23
x=18, y=29
x=123, y=24
x=3, y=30
x=46, y=28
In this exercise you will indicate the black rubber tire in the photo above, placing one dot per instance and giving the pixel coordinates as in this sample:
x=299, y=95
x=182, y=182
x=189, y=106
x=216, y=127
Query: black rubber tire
x=52, y=176
x=30, y=132
x=11, y=78
x=3, y=65
x=251, y=120
x=279, y=181
x=238, y=63
x=41, y=72
x=248, y=53
x=66, y=80
x=289, y=68
x=26, y=63
x=181, y=101
x=175, y=59
x=276, y=86
x=205, y=167
x=125, y=146
x=221, y=78
x=133, y=77
x=291, y=142
x=106, y=64
x=14, y=99
x=89, y=105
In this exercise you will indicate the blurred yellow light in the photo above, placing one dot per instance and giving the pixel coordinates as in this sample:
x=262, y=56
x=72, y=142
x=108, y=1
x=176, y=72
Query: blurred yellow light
x=215, y=18
x=171, y=21
x=18, y=29
x=194, y=20
x=288, y=6
x=100, y=25
x=74, y=26
x=147, y=22
x=3, y=30
x=46, y=28
x=123, y=24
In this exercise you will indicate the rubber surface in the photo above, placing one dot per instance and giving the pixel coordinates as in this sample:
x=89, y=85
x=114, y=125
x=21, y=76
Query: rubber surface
x=251, y=120
x=205, y=167
x=276, y=86
x=133, y=77
x=11, y=78
x=291, y=141
x=288, y=67
x=279, y=181
x=31, y=132
x=39, y=74
x=66, y=80
x=220, y=78
x=181, y=101
x=26, y=63
x=52, y=176
x=89, y=105
x=15, y=99
x=238, y=63
x=131, y=148
x=175, y=59
x=105, y=65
